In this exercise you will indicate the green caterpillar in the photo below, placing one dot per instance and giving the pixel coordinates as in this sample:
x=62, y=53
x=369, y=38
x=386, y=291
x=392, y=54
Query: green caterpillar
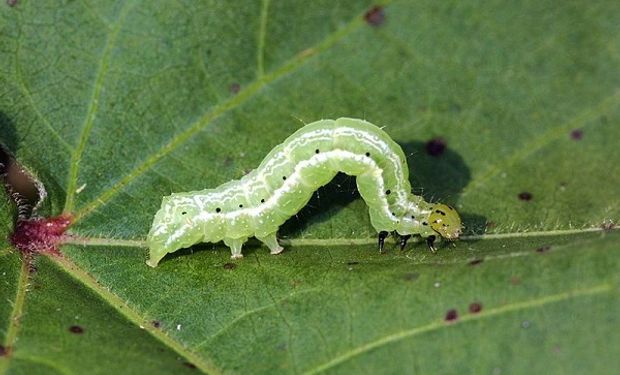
x=261, y=201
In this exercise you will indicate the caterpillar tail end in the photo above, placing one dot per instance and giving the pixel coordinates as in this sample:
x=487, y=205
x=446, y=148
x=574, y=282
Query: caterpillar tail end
x=155, y=255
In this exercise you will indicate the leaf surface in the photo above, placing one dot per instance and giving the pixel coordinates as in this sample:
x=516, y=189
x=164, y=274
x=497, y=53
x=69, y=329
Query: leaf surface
x=113, y=105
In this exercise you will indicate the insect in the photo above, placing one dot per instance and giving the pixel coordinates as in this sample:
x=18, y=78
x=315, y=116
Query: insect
x=261, y=201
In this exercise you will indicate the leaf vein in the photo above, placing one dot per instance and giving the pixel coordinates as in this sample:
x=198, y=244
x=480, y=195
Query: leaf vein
x=439, y=324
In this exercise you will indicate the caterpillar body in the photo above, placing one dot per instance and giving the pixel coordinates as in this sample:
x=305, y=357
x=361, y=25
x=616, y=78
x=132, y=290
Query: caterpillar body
x=261, y=201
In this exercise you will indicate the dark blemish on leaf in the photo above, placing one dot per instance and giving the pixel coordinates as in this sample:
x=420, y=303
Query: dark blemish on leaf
x=543, y=249
x=608, y=226
x=11, y=3
x=240, y=206
x=436, y=146
x=475, y=307
x=189, y=365
x=234, y=88
x=452, y=315
x=40, y=235
x=284, y=178
x=352, y=263
x=218, y=210
x=515, y=280
x=262, y=200
x=490, y=225
x=411, y=276
x=576, y=134
x=230, y=266
x=424, y=223
x=525, y=196
x=184, y=213
x=4, y=350
x=388, y=192
x=476, y=262
x=76, y=329
x=317, y=151
x=156, y=323
x=368, y=154
x=375, y=16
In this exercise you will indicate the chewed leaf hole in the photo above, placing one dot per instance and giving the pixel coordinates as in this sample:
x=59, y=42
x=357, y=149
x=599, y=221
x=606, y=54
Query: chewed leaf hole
x=25, y=190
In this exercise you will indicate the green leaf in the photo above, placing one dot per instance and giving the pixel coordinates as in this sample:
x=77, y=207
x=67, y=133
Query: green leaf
x=112, y=105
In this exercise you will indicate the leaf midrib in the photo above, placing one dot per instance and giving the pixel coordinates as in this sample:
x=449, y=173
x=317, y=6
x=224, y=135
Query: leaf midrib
x=320, y=242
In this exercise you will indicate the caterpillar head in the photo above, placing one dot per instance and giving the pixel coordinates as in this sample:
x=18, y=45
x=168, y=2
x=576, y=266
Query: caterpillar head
x=173, y=228
x=445, y=221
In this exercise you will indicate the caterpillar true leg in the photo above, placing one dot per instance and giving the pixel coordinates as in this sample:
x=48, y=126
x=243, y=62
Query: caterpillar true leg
x=403, y=241
x=382, y=235
x=235, y=245
x=430, y=241
x=271, y=242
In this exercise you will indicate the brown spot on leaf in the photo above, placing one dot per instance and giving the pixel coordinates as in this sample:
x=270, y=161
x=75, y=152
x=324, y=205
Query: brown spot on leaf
x=156, y=323
x=189, y=365
x=525, y=196
x=411, y=276
x=230, y=266
x=76, y=329
x=476, y=262
x=576, y=134
x=515, y=280
x=436, y=146
x=375, y=16
x=452, y=315
x=235, y=88
x=543, y=249
x=4, y=350
x=11, y=3
x=475, y=307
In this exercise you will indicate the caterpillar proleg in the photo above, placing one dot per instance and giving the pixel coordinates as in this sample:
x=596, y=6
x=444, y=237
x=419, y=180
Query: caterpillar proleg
x=261, y=201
